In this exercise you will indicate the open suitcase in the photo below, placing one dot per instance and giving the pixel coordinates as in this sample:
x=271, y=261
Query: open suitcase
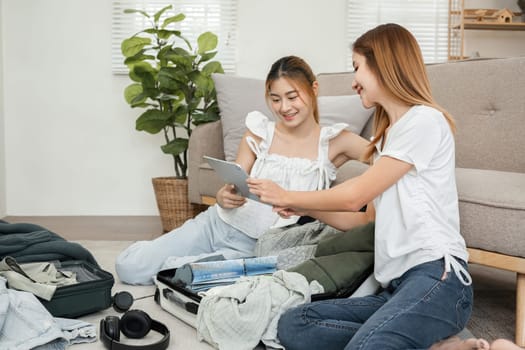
x=28, y=243
x=343, y=265
x=91, y=294
x=184, y=304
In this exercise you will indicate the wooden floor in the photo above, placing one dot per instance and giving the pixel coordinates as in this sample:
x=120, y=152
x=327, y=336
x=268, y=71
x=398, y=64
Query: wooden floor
x=494, y=290
x=108, y=228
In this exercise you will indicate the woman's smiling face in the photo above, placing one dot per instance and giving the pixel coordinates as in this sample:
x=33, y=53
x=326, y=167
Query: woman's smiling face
x=288, y=103
x=365, y=82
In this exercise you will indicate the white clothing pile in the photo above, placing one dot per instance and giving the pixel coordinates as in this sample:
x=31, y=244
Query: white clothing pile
x=241, y=315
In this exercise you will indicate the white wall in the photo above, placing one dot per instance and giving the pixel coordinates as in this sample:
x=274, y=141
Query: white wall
x=2, y=132
x=70, y=143
x=310, y=29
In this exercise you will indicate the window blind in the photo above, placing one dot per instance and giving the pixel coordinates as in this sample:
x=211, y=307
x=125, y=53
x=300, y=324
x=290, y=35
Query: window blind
x=426, y=19
x=217, y=16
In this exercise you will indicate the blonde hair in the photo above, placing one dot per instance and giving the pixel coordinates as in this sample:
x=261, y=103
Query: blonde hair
x=299, y=74
x=394, y=57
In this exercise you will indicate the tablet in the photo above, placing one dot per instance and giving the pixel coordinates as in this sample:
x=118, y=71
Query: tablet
x=232, y=173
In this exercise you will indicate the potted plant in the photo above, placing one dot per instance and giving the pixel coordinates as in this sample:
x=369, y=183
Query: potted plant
x=172, y=83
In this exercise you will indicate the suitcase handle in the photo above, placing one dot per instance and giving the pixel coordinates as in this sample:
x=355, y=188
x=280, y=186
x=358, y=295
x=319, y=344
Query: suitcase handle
x=188, y=306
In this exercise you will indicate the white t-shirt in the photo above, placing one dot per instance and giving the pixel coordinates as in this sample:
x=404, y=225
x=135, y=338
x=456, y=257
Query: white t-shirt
x=417, y=218
x=294, y=174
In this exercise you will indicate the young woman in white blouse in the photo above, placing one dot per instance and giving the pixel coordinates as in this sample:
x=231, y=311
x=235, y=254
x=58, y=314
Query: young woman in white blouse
x=294, y=151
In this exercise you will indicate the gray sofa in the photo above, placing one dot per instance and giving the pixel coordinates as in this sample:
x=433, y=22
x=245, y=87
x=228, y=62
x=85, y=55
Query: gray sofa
x=487, y=99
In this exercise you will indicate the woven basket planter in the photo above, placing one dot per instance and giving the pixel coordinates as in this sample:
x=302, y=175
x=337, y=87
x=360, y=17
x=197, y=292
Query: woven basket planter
x=172, y=200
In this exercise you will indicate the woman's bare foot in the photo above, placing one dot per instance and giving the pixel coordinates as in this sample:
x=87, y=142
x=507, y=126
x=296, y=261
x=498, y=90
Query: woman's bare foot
x=456, y=343
x=504, y=344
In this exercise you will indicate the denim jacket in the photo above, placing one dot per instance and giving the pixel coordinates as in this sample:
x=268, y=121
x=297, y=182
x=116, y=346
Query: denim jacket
x=25, y=323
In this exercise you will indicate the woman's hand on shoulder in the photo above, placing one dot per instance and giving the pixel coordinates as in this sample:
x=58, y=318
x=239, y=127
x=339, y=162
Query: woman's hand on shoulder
x=227, y=197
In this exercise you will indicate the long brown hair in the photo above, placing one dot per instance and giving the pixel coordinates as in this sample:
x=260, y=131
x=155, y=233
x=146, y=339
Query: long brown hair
x=394, y=57
x=299, y=74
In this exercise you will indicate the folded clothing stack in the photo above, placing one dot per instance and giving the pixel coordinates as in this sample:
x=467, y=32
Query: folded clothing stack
x=203, y=275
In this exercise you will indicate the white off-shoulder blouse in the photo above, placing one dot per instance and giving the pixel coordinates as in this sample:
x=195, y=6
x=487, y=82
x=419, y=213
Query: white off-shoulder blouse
x=291, y=173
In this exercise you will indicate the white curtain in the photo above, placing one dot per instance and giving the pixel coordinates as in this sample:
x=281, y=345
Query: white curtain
x=426, y=19
x=217, y=16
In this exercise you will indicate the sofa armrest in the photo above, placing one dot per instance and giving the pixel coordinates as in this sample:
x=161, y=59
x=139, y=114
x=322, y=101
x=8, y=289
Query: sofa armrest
x=206, y=140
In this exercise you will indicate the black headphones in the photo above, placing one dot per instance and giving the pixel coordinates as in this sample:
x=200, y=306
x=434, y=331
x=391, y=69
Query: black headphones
x=122, y=301
x=133, y=324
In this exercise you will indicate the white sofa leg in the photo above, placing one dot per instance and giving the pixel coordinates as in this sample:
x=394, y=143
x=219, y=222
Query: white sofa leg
x=520, y=309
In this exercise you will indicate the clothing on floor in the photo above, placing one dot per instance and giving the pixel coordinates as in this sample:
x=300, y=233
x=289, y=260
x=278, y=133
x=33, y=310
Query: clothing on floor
x=26, y=324
x=39, y=278
x=29, y=243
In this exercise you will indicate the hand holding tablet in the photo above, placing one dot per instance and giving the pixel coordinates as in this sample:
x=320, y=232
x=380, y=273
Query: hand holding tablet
x=232, y=173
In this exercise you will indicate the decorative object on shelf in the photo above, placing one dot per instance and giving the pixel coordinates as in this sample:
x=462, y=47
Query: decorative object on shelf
x=503, y=16
x=172, y=81
x=462, y=19
x=489, y=15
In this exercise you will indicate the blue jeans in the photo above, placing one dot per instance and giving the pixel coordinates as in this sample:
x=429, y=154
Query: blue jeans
x=202, y=236
x=415, y=310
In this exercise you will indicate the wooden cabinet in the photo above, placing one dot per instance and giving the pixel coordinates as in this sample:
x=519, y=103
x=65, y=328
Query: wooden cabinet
x=461, y=19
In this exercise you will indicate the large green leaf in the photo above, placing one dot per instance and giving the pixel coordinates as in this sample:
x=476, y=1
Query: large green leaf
x=152, y=93
x=205, y=117
x=173, y=19
x=206, y=42
x=146, y=75
x=134, y=45
x=180, y=58
x=152, y=121
x=145, y=14
x=137, y=71
x=171, y=78
x=208, y=56
x=132, y=91
x=160, y=12
x=177, y=146
x=212, y=67
x=138, y=58
x=181, y=114
x=203, y=83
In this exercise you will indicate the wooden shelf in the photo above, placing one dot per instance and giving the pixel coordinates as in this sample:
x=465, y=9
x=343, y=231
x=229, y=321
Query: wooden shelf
x=494, y=26
x=461, y=19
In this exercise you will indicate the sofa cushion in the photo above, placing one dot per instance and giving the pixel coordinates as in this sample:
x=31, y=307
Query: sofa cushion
x=489, y=116
x=492, y=210
x=348, y=170
x=209, y=181
x=344, y=109
x=237, y=96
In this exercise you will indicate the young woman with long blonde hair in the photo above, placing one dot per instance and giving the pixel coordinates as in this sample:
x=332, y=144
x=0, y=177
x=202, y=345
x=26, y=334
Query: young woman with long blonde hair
x=420, y=255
